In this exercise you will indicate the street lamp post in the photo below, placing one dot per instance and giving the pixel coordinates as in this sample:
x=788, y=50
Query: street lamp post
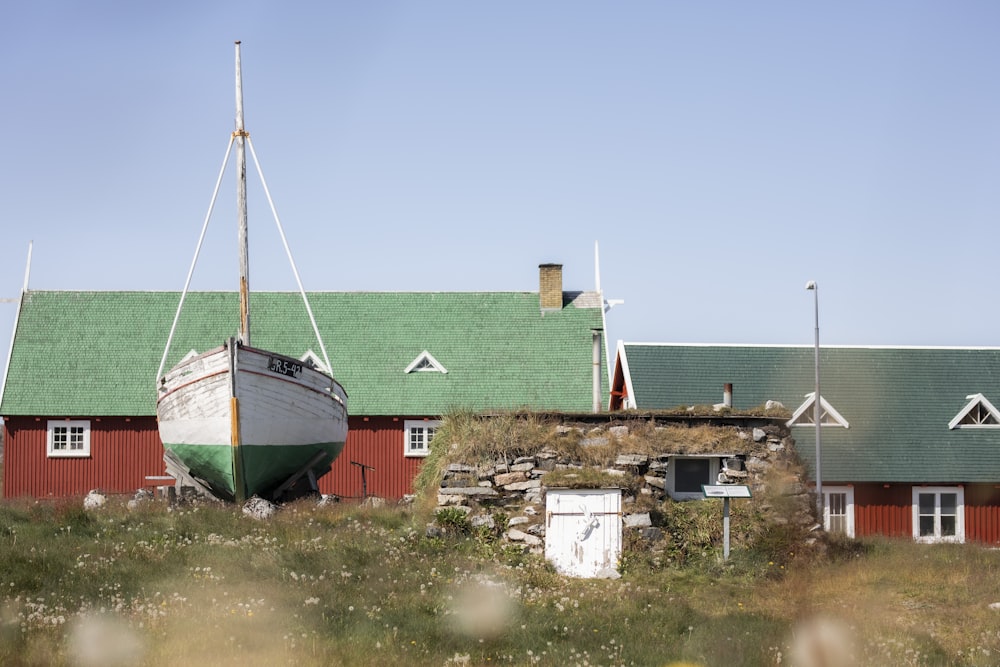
x=817, y=410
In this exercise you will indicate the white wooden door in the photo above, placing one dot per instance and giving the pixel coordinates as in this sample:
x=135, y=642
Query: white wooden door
x=583, y=533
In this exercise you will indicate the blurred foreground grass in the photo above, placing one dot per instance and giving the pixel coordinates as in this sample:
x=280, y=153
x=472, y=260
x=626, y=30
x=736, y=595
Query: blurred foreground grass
x=343, y=585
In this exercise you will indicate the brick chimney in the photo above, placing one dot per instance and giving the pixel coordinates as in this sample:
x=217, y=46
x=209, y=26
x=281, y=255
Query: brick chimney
x=550, y=292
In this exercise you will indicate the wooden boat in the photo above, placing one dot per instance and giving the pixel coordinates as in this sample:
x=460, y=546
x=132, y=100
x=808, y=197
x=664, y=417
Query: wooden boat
x=237, y=421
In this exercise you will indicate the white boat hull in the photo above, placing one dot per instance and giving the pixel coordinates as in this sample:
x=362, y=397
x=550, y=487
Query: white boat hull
x=244, y=423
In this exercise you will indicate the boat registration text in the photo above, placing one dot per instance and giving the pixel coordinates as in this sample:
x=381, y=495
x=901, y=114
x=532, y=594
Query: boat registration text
x=284, y=366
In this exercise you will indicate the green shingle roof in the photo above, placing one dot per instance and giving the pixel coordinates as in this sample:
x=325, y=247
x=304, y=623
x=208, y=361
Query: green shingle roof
x=97, y=353
x=898, y=402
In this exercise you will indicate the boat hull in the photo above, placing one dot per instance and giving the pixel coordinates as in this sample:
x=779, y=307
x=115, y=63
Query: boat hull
x=238, y=413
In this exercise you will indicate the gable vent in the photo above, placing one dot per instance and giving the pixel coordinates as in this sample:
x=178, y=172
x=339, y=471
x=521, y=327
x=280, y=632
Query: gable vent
x=977, y=413
x=805, y=414
x=312, y=359
x=425, y=362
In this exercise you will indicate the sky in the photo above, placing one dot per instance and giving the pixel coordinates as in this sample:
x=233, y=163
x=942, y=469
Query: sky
x=721, y=154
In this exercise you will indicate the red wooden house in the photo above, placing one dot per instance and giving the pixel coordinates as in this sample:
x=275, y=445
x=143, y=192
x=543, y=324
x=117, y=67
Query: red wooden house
x=78, y=397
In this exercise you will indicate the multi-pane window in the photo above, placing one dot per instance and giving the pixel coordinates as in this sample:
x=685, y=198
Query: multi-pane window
x=418, y=436
x=977, y=413
x=838, y=510
x=938, y=514
x=68, y=438
x=425, y=362
x=805, y=414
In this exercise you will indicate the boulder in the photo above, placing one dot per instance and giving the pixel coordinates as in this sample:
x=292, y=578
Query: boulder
x=259, y=509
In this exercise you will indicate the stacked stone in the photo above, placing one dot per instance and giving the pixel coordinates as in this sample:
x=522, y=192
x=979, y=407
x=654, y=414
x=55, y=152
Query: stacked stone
x=518, y=484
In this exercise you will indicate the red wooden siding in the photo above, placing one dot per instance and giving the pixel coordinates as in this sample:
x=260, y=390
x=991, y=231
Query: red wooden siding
x=889, y=511
x=883, y=511
x=122, y=453
x=982, y=513
x=376, y=442
x=125, y=451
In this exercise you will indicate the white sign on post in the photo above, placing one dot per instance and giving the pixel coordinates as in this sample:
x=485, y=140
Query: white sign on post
x=725, y=491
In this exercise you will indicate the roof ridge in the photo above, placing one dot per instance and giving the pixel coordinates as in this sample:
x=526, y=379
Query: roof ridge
x=825, y=346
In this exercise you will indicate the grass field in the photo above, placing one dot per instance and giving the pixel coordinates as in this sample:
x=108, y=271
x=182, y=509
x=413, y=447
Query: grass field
x=344, y=585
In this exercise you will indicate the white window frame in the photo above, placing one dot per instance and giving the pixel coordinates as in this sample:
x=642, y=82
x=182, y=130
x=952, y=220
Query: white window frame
x=714, y=465
x=959, y=535
x=63, y=427
x=425, y=363
x=981, y=402
x=312, y=358
x=828, y=415
x=848, y=492
x=421, y=426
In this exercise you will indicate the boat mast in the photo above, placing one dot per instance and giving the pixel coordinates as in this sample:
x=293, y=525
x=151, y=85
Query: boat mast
x=240, y=136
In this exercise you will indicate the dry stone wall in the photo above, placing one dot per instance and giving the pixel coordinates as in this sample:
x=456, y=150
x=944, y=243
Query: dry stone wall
x=517, y=486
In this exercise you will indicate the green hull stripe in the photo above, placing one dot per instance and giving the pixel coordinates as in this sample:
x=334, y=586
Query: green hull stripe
x=265, y=467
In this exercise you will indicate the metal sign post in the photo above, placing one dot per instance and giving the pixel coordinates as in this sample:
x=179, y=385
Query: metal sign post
x=364, y=478
x=725, y=491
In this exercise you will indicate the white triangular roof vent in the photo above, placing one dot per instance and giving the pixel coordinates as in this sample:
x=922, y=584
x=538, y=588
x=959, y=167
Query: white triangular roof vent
x=425, y=361
x=828, y=415
x=977, y=413
x=313, y=360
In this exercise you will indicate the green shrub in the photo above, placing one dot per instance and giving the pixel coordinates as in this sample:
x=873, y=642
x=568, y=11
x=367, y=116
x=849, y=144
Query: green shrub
x=452, y=519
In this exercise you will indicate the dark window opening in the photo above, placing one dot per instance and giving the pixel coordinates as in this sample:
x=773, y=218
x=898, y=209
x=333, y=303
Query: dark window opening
x=691, y=474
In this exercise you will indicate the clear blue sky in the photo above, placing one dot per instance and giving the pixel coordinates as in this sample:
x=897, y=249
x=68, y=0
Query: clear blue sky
x=721, y=153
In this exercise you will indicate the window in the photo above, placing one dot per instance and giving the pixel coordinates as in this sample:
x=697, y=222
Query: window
x=68, y=438
x=690, y=474
x=418, y=437
x=977, y=413
x=312, y=359
x=806, y=414
x=425, y=362
x=686, y=475
x=939, y=514
x=838, y=510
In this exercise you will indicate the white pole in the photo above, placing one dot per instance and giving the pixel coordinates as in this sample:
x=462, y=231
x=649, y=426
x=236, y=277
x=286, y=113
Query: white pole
x=595, y=372
x=725, y=528
x=817, y=410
